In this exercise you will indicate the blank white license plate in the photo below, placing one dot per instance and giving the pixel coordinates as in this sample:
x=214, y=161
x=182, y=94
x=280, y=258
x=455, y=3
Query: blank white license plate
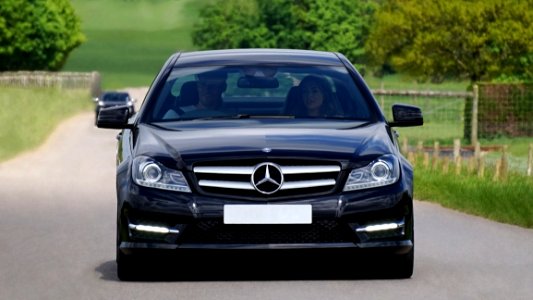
x=268, y=214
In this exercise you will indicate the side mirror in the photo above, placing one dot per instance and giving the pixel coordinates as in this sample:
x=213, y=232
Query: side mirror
x=115, y=117
x=406, y=116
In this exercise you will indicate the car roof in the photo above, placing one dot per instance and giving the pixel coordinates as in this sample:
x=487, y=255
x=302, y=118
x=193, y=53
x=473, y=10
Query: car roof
x=257, y=56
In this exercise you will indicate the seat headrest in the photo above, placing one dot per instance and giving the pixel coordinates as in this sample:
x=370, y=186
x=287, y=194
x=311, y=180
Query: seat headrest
x=293, y=101
x=188, y=94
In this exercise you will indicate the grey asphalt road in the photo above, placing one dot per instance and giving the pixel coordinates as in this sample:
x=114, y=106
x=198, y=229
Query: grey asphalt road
x=57, y=241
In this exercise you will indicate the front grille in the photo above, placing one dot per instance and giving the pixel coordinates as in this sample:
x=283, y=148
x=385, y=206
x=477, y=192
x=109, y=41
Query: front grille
x=299, y=179
x=215, y=232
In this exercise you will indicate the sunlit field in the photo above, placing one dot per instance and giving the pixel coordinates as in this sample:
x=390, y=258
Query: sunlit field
x=128, y=41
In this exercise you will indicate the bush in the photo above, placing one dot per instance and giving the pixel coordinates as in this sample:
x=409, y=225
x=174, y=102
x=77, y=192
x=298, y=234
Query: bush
x=329, y=25
x=37, y=36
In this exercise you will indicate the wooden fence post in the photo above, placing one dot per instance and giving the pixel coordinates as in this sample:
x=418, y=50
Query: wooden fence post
x=530, y=160
x=446, y=165
x=426, y=160
x=420, y=147
x=411, y=158
x=497, y=171
x=457, y=155
x=477, y=155
x=458, y=165
x=471, y=165
x=436, y=154
x=456, y=149
x=505, y=162
x=405, y=146
x=481, y=166
x=474, y=127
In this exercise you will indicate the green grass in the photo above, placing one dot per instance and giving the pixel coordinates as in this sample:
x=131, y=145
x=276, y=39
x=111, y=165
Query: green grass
x=29, y=115
x=507, y=201
x=129, y=41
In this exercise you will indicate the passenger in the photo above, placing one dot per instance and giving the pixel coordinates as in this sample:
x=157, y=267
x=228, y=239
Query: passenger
x=317, y=97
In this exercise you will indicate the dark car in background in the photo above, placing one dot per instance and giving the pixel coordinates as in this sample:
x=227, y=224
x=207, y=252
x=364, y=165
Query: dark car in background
x=114, y=98
x=231, y=151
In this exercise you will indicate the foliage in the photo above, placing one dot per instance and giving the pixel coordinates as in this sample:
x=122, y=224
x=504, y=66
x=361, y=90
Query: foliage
x=330, y=25
x=229, y=24
x=462, y=39
x=37, y=35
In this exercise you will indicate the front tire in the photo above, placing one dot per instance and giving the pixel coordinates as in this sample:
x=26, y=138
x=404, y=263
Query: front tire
x=402, y=265
x=126, y=266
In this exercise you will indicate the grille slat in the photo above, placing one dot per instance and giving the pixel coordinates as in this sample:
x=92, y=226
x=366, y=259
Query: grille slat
x=226, y=184
x=301, y=178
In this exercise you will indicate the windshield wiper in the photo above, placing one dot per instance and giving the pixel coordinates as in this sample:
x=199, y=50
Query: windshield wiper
x=246, y=116
x=162, y=126
x=226, y=117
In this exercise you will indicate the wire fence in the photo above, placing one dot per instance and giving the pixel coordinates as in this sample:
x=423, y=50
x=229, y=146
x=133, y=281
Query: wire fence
x=67, y=80
x=489, y=111
x=444, y=113
x=505, y=110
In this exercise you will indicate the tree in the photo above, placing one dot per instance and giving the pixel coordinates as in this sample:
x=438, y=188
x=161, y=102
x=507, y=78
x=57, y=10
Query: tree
x=460, y=39
x=229, y=24
x=38, y=35
x=330, y=25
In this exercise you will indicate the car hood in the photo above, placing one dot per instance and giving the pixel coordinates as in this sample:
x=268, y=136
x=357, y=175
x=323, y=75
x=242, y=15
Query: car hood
x=199, y=144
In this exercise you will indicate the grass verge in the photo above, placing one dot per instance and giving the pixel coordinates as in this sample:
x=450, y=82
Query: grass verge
x=508, y=200
x=129, y=41
x=29, y=115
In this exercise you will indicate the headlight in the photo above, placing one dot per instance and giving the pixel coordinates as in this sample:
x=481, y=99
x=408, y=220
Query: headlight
x=383, y=171
x=148, y=172
x=101, y=103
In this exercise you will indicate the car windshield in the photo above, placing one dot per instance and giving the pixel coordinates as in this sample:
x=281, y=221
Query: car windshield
x=240, y=92
x=116, y=97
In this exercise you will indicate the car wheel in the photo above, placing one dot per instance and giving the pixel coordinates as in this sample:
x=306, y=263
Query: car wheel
x=126, y=270
x=402, y=265
x=128, y=265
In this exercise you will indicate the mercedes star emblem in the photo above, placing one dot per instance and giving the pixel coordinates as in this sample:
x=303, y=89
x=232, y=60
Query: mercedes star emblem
x=267, y=178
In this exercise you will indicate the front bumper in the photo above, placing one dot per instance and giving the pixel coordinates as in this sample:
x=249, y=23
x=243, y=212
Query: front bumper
x=368, y=220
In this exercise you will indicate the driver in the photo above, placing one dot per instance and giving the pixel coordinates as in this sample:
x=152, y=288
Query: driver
x=210, y=87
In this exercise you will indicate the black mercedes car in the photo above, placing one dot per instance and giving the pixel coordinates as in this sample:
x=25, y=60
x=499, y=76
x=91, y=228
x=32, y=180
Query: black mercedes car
x=114, y=98
x=262, y=149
